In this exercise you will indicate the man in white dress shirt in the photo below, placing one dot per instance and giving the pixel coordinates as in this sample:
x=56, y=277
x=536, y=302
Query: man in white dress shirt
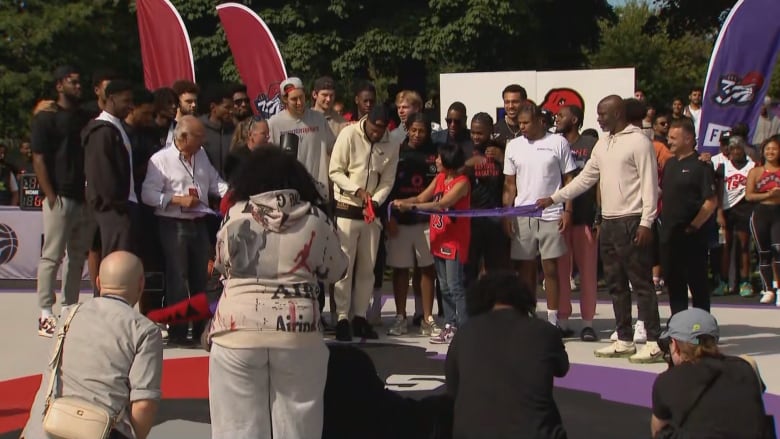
x=178, y=183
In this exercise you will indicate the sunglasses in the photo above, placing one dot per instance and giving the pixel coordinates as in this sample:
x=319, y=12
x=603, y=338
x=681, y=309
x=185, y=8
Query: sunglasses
x=241, y=101
x=451, y=121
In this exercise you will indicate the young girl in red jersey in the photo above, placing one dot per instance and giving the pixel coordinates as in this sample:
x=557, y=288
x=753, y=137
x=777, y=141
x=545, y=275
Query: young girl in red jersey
x=450, y=236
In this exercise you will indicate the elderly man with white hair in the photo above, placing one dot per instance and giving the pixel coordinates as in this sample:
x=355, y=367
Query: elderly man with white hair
x=178, y=183
x=111, y=356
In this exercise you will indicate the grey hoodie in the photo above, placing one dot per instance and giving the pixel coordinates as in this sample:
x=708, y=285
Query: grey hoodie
x=273, y=250
x=217, y=143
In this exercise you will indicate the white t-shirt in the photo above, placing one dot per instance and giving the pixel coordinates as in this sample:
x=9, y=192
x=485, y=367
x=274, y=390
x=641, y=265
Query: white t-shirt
x=538, y=167
x=717, y=160
x=696, y=117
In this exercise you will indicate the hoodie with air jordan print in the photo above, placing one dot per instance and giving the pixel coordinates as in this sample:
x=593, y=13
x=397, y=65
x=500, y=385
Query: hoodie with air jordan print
x=273, y=249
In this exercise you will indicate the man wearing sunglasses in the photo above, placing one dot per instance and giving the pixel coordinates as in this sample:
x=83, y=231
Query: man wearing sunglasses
x=241, y=105
x=456, y=131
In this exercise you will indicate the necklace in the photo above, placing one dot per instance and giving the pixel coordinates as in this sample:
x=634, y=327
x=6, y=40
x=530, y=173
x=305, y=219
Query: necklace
x=509, y=127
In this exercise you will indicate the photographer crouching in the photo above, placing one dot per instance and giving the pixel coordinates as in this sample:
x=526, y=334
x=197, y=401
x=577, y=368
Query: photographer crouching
x=705, y=393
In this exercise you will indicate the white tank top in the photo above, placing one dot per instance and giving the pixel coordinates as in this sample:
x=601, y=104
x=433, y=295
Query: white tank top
x=735, y=183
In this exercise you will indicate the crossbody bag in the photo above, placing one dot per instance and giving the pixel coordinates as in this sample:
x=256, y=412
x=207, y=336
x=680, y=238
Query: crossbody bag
x=71, y=417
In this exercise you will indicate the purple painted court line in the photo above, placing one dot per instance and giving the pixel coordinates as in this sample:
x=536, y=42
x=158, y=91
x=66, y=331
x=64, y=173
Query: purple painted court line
x=625, y=386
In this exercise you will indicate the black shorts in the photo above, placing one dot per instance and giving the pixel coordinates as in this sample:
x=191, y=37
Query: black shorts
x=738, y=217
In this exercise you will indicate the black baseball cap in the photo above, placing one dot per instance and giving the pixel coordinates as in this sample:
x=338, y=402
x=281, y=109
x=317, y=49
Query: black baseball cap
x=63, y=72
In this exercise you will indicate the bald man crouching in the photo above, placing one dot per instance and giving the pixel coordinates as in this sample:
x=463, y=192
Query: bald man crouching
x=112, y=355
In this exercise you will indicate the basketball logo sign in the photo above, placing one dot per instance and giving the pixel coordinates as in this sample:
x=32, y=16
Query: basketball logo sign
x=9, y=243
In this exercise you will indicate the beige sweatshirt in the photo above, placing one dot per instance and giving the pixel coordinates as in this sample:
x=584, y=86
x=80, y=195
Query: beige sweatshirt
x=625, y=167
x=357, y=164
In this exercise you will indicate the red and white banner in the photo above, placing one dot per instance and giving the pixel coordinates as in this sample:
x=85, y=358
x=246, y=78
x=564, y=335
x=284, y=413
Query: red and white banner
x=165, y=45
x=256, y=55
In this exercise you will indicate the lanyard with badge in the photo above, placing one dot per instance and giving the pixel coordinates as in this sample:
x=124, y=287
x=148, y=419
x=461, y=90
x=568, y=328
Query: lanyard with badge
x=192, y=191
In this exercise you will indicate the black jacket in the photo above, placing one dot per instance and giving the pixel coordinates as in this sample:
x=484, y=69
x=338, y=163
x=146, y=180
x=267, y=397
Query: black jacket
x=233, y=162
x=106, y=166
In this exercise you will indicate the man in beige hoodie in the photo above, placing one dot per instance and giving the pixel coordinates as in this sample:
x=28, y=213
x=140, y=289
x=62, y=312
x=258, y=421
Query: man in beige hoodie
x=624, y=165
x=362, y=168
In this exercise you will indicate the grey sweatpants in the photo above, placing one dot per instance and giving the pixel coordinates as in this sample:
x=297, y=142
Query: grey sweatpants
x=67, y=226
x=263, y=393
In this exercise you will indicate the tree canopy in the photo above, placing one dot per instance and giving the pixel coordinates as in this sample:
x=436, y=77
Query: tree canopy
x=406, y=43
x=665, y=66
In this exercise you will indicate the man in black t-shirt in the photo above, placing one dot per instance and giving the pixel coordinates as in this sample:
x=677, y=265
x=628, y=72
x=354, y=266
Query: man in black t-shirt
x=582, y=236
x=489, y=248
x=58, y=159
x=506, y=129
x=689, y=199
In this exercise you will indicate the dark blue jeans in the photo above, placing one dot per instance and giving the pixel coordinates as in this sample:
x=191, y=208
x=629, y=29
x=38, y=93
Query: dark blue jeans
x=453, y=290
x=186, y=247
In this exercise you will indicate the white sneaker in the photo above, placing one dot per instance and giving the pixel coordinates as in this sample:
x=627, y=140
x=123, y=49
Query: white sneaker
x=399, y=327
x=430, y=328
x=617, y=349
x=640, y=335
x=768, y=297
x=614, y=336
x=47, y=326
x=650, y=353
x=445, y=336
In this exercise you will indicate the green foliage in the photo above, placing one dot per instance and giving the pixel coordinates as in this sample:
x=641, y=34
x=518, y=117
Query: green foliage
x=665, y=67
x=44, y=34
x=679, y=17
x=404, y=42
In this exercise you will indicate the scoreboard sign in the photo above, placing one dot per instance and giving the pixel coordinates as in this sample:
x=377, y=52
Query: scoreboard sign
x=31, y=197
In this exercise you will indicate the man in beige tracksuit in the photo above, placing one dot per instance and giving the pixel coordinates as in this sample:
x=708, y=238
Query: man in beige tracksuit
x=362, y=168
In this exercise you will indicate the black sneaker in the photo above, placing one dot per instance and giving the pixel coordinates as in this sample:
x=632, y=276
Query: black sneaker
x=343, y=331
x=565, y=332
x=327, y=328
x=417, y=320
x=588, y=334
x=363, y=329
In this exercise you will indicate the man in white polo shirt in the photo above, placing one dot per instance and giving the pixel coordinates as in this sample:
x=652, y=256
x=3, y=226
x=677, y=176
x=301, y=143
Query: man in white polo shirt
x=535, y=164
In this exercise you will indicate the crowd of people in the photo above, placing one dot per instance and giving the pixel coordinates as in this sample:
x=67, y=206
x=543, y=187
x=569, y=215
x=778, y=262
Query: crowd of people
x=312, y=201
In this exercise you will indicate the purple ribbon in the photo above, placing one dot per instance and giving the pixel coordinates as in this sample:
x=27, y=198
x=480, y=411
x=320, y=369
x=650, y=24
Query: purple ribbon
x=529, y=210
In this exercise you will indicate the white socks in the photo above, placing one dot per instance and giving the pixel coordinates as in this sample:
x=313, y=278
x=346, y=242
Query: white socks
x=552, y=316
x=46, y=313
